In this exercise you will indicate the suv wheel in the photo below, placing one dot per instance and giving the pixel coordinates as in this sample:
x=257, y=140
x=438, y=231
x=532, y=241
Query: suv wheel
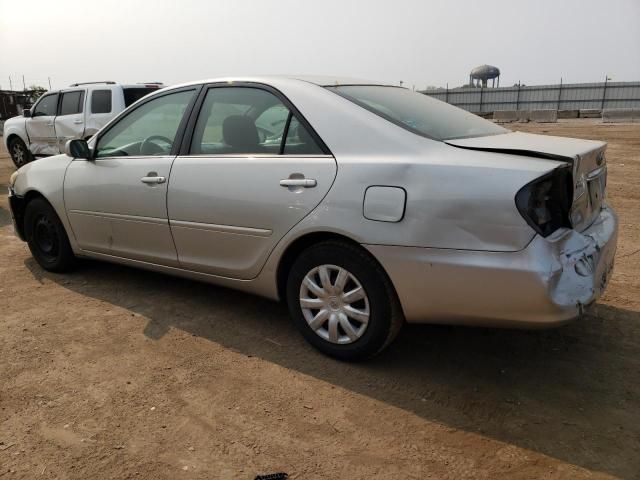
x=342, y=301
x=47, y=238
x=19, y=152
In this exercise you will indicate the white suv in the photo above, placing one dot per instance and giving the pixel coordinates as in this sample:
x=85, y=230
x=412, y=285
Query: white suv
x=60, y=115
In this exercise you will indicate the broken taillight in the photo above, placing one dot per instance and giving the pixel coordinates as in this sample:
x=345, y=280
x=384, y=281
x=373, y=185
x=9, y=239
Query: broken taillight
x=545, y=203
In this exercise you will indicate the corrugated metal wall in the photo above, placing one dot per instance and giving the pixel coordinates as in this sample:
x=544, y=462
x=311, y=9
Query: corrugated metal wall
x=572, y=96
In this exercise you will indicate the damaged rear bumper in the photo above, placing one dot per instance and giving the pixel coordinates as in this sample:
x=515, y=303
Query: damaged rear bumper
x=548, y=283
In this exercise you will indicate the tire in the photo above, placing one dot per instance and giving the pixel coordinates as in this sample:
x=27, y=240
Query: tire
x=372, y=309
x=47, y=238
x=19, y=152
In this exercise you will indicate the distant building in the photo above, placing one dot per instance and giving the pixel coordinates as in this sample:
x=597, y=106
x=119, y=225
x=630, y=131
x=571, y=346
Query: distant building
x=13, y=102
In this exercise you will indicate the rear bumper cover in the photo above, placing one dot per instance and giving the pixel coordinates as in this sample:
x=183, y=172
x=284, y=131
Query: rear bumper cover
x=547, y=283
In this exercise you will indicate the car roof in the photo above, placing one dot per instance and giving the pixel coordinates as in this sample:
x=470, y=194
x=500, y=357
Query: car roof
x=330, y=81
x=321, y=80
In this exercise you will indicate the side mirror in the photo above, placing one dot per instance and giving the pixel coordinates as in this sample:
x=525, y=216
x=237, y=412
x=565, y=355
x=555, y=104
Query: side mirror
x=26, y=113
x=78, y=149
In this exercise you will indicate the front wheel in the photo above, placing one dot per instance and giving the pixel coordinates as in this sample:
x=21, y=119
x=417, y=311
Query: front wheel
x=47, y=238
x=342, y=301
x=19, y=152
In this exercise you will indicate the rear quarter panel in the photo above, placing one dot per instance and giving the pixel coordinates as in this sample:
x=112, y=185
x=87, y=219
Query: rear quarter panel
x=456, y=199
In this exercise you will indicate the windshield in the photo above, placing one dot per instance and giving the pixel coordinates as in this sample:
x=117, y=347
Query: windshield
x=418, y=113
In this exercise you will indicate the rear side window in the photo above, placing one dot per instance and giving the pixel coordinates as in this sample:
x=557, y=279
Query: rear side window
x=227, y=122
x=72, y=103
x=247, y=121
x=132, y=95
x=47, y=106
x=101, y=101
x=299, y=140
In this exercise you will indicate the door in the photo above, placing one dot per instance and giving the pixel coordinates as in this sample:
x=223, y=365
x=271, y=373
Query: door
x=116, y=203
x=40, y=127
x=251, y=172
x=69, y=123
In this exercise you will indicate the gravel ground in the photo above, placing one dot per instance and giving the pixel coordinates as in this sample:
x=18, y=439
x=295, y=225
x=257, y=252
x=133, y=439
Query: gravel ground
x=111, y=372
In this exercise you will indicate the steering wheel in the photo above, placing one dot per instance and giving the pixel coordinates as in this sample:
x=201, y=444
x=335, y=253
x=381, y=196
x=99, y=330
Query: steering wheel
x=148, y=147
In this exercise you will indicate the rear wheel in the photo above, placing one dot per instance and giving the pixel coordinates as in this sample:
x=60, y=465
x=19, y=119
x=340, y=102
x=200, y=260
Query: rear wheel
x=342, y=301
x=19, y=152
x=47, y=238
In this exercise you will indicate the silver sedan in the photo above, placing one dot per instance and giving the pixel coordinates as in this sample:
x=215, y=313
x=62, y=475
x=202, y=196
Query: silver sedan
x=362, y=205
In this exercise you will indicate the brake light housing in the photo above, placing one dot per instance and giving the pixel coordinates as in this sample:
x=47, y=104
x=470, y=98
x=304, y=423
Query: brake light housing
x=545, y=203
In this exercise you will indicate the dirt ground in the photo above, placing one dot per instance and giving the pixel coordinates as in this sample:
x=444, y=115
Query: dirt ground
x=111, y=372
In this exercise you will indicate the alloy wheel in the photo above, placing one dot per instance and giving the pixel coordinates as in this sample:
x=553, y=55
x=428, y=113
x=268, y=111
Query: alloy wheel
x=18, y=154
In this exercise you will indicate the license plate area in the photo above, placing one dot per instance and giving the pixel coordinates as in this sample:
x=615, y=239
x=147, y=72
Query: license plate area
x=596, y=183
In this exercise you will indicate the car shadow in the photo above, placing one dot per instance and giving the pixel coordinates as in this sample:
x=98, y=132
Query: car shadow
x=5, y=217
x=571, y=393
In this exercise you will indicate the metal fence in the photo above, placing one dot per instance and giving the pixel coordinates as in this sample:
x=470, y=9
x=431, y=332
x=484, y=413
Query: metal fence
x=572, y=96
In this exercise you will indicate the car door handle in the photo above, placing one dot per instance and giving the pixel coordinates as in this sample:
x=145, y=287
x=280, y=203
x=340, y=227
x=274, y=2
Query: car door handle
x=298, y=182
x=153, y=180
x=77, y=122
x=50, y=124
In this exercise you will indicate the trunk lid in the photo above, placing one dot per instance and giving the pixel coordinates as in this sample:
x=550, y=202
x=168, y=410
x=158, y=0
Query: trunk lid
x=586, y=157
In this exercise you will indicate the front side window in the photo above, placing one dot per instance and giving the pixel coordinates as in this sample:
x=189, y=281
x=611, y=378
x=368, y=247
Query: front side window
x=71, y=102
x=101, y=101
x=47, y=106
x=418, y=113
x=149, y=129
x=244, y=120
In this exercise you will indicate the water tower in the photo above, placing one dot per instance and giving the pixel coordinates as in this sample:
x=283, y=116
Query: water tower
x=480, y=75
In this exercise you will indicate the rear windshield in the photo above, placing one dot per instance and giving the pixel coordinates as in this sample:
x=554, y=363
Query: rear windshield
x=133, y=94
x=418, y=113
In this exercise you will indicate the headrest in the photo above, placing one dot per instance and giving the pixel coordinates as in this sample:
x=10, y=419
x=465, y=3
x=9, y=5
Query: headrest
x=240, y=132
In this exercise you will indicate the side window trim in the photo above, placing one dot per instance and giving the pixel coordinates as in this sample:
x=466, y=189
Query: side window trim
x=185, y=118
x=81, y=101
x=181, y=128
x=285, y=133
x=189, y=131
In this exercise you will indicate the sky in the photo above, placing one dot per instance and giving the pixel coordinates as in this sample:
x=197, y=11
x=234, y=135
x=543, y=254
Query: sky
x=420, y=42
